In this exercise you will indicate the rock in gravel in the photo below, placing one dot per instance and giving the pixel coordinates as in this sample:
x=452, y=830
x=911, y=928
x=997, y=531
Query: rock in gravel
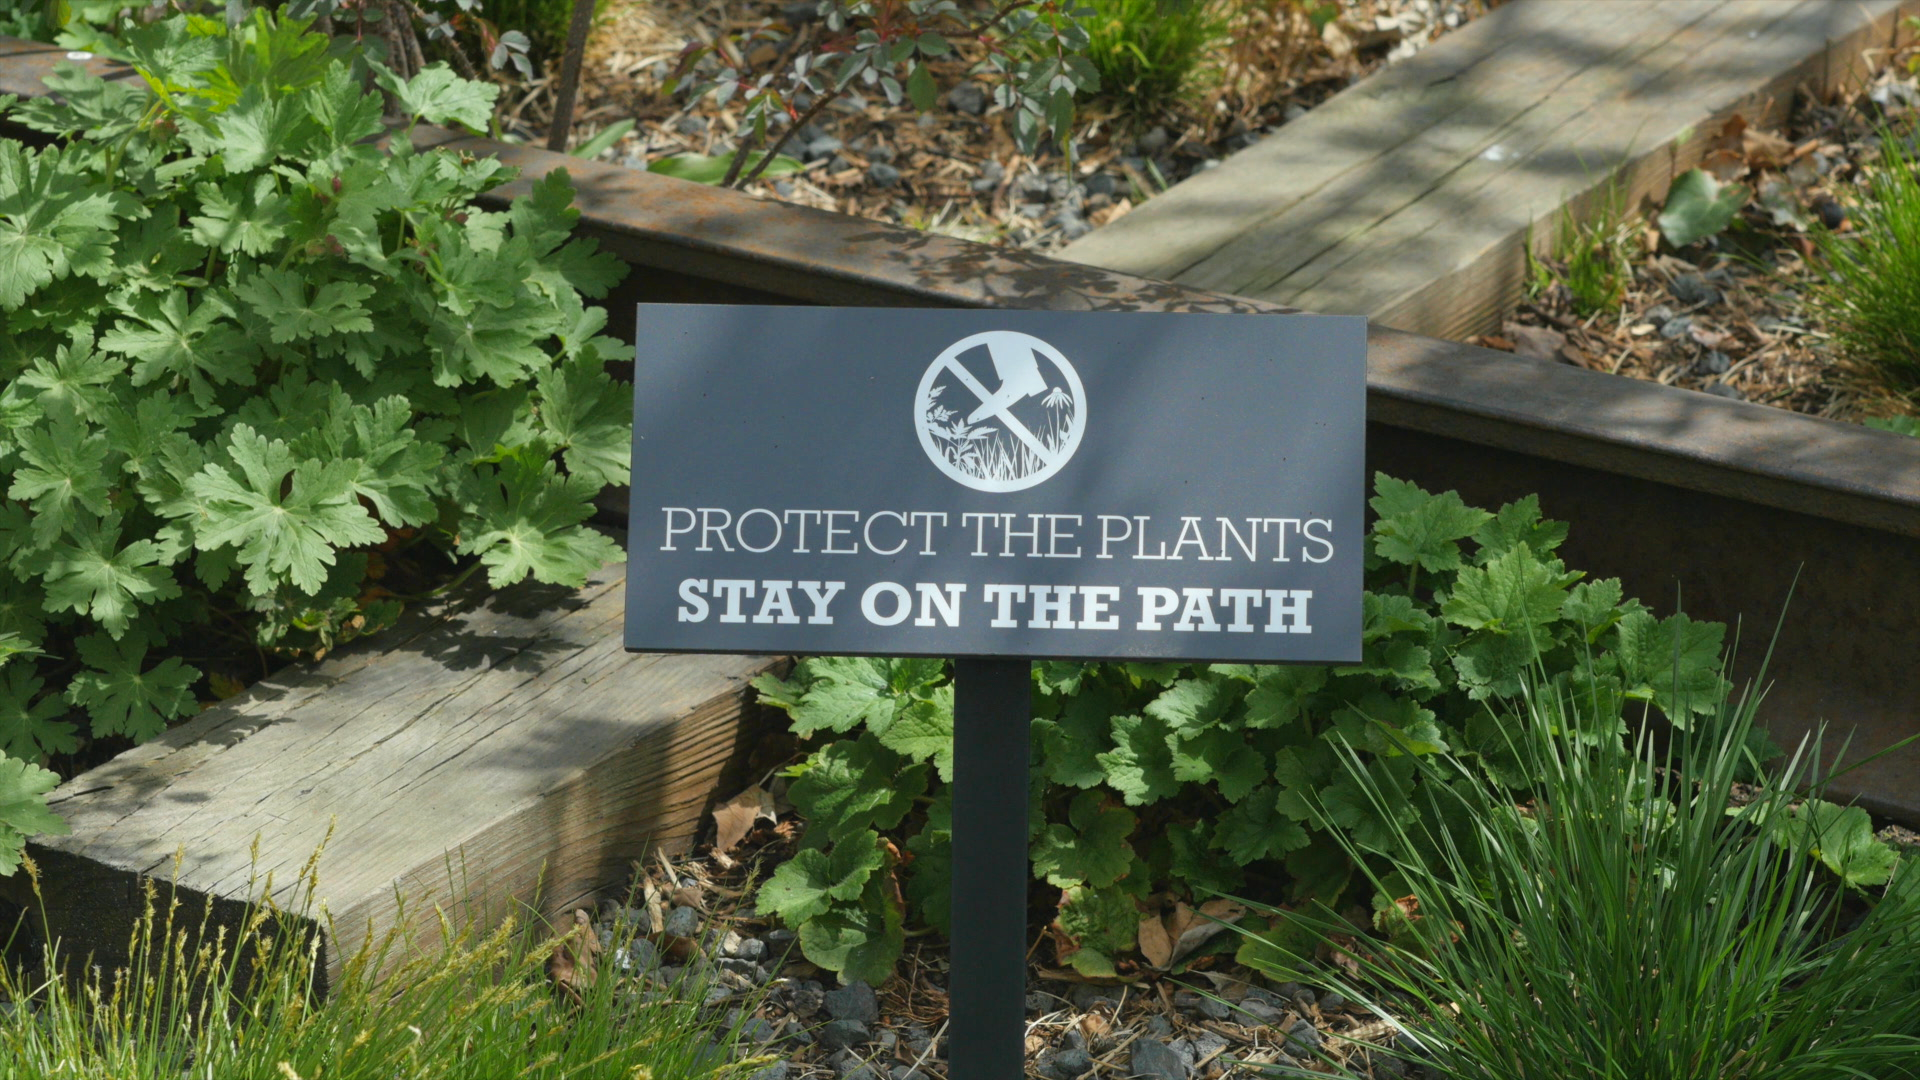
x=1033, y=188
x=861, y=1070
x=638, y=954
x=854, y=1001
x=843, y=1034
x=806, y=999
x=1154, y=1060
x=780, y=939
x=1206, y=1043
x=690, y=125
x=1714, y=362
x=776, y=1071
x=742, y=948
x=969, y=98
x=1159, y=1027
x=1692, y=289
x=990, y=176
x=824, y=147
x=1069, y=1064
x=1720, y=389
x=1102, y=184
x=683, y=922
x=881, y=174
x=1154, y=141
x=1087, y=997
x=1071, y=225
x=1330, y=1001
x=1260, y=1011
x=1213, y=1008
x=1676, y=327
x=1304, y=1035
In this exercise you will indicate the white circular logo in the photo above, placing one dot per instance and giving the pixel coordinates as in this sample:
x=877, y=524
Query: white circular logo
x=1009, y=437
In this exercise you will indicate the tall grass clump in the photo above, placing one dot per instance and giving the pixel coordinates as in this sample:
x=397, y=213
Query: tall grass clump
x=202, y=999
x=1147, y=52
x=1641, y=917
x=1869, y=290
x=1592, y=252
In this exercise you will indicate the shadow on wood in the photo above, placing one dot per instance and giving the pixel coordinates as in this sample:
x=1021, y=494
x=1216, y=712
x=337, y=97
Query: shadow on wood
x=501, y=753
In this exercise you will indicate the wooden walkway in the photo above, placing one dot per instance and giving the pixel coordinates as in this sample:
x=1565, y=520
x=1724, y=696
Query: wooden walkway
x=500, y=752
x=1407, y=198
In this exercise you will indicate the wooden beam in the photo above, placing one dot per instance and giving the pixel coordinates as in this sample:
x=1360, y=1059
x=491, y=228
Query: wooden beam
x=503, y=751
x=1411, y=196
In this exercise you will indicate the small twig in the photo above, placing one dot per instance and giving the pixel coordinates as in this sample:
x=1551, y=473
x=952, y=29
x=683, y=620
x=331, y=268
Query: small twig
x=819, y=105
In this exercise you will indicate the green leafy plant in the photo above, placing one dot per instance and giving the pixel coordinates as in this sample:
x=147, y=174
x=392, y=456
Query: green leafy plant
x=248, y=354
x=1158, y=779
x=713, y=168
x=1147, y=52
x=1869, y=291
x=1640, y=913
x=475, y=1002
x=1698, y=206
x=1593, y=252
x=1899, y=425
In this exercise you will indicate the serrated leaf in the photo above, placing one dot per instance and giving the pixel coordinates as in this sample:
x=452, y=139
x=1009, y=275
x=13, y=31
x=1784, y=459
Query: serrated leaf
x=439, y=96
x=1253, y=829
x=93, y=575
x=1519, y=522
x=286, y=517
x=281, y=298
x=1091, y=848
x=923, y=731
x=1196, y=864
x=1514, y=593
x=1676, y=661
x=805, y=886
x=1280, y=695
x=1193, y=705
x=123, y=699
x=1098, y=925
x=31, y=728
x=589, y=418
x=856, y=784
x=860, y=941
x=525, y=521
x=1220, y=757
x=23, y=809
x=55, y=222
x=179, y=344
x=1416, y=528
x=1070, y=747
x=1841, y=837
x=64, y=477
x=1140, y=765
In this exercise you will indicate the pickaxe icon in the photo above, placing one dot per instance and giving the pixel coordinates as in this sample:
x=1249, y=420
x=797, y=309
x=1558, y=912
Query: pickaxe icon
x=1019, y=375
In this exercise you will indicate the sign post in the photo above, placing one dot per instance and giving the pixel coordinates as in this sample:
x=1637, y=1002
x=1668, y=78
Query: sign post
x=997, y=487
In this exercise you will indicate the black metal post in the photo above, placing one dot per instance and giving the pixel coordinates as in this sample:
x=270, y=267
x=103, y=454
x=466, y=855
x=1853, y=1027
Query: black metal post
x=987, y=984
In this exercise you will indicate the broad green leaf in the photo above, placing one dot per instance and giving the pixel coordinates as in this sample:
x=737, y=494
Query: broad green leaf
x=281, y=298
x=23, y=809
x=1514, y=593
x=860, y=941
x=30, y=724
x=92, y=574
x=1519, y=522
x=806, y=885
x=1281, y=693
x=923, y=731
x=64, y=477
x=1841, y=837
x=1098, y=924
x=1091, y=848
x=1070, y=747
x=122, y=696
x=1194, y=861
x=55, y=221
x=1221, y=757
x=1140, y=765
x=1253, y=829
x=853, y=785
x=525, y=521
x=1698, y=206
x=439, y=96
x=1191, y=706
x=1674, y=661
x=1419, y=529
x=589, y=417
x=286, y=517
x=179, y=344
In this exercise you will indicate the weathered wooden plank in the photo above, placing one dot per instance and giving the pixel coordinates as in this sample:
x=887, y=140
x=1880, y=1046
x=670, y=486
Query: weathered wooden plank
x=1409, y=198
x=504, y=751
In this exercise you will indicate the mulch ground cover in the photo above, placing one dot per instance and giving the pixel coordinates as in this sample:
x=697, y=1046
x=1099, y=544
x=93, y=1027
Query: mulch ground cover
x=955, y=170
x=1730, y=315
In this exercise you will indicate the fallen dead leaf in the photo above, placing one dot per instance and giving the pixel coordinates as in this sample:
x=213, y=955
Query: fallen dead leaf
x=735, y=818
x=1155, y=943
x=1538, y=342
x=574, y=964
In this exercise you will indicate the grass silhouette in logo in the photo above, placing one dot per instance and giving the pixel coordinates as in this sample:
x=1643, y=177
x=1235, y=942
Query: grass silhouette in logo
x=989, y=452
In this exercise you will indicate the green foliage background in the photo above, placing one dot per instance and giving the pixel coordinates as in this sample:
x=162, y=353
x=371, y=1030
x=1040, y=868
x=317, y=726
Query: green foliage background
x=1198, y=779
x=242, y=346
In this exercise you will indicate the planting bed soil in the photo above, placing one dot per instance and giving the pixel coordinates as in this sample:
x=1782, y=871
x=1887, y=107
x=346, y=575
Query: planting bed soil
x=956, y=170
x=1731, y=315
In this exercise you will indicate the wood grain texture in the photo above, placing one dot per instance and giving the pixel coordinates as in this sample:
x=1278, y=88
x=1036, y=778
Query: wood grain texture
x=505, y=751
x=1410, y=198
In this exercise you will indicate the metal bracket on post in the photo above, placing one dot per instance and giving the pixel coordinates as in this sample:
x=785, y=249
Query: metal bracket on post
x=987, y=972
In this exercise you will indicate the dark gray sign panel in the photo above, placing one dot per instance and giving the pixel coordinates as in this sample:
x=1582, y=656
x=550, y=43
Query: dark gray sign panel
x=1096, y=485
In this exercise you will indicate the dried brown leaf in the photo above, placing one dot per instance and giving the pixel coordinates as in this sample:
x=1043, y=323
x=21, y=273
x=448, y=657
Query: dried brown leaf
x=1155, y=943
x=575, y=962
x=735, y=818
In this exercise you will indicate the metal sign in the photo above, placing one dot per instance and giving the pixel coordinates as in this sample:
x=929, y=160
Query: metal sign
x=1112, y=485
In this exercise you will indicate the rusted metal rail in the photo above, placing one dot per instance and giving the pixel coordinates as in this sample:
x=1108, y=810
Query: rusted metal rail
x=1715, y=504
